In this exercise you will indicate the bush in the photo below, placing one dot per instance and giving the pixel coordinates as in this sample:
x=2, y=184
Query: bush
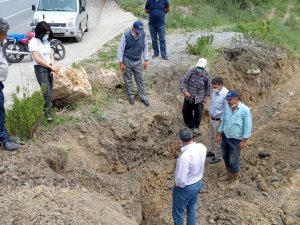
x=25, y=114
x=203, y=48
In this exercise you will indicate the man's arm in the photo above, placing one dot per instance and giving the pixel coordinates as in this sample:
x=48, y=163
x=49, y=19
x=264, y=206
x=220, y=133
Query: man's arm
x=167, y=6
x=3, y=68
x=121, y=54
x=147, y=7
x=247, y=119
x=146, y=49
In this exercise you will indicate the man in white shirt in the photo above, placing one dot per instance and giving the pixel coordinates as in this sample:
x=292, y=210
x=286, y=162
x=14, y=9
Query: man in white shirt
x=216, y=109
x=188, y=178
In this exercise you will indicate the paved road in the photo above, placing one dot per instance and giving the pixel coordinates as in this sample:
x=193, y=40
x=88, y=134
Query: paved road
x=18, y=14
x=106, y=20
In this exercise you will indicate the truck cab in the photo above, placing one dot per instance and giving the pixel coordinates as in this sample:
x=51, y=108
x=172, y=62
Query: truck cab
x=67, y=18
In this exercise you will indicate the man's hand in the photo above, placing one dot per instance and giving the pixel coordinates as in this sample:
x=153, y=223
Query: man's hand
x=205, y=101
x=54, y=69
x=122, y=67
x=146, y=64
x=218, y=139
x=186, y=94
x=242, y=144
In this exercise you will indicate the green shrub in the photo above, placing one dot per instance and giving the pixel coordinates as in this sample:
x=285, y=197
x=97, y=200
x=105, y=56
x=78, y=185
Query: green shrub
x=25, y=114
x=203, y=48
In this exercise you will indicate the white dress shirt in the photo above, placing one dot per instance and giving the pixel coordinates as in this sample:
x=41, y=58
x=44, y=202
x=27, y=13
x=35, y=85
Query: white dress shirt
x=190, y=164
x=218, y=103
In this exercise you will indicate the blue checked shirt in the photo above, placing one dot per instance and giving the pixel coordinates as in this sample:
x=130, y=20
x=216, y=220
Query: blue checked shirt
x=237, y=124
x=197, y=84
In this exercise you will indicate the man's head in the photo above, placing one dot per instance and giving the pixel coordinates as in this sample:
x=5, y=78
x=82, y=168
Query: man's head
x=185, y=135
x=217, y=84
x=232, y=98
x=201, y=64
x=3, y=29
x=138, y=28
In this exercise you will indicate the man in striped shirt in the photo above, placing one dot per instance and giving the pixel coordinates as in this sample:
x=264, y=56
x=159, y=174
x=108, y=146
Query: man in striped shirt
x=195, y=86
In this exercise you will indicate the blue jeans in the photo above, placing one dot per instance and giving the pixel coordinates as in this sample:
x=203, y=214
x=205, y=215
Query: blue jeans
x=3, y=132
x=161, y=32
x=185, y=198
x=231, y=153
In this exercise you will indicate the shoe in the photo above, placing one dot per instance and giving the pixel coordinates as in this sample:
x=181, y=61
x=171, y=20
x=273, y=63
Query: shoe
x=226, y=177
x=131, y=101
x=234, y=184
x=11, y=146
x=49, y=119
x=195, y=130
x=214, y=160
x=146, y=102
x=154, y=56
x=165, y=57
x=210, y=154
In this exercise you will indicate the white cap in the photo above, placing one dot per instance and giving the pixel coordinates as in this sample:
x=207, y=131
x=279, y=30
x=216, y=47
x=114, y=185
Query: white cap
x=202, y=62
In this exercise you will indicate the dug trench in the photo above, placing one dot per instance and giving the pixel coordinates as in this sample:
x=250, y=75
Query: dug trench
x=121, y=170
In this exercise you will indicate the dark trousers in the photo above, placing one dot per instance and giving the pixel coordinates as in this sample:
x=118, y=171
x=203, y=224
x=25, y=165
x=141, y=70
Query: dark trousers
x=44, y=77
x=3, y=132
x=192, y=113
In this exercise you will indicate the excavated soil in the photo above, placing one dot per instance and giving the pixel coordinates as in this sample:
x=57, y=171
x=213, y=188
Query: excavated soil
x=120, y=170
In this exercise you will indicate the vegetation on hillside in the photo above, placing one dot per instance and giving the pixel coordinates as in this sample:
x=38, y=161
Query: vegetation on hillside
x=276, y=22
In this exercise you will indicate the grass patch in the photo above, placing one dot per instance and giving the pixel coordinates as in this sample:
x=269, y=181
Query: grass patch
x=202, y=48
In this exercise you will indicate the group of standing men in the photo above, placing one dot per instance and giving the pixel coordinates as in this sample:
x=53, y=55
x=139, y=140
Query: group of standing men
x=230, y=119
x=230, y=128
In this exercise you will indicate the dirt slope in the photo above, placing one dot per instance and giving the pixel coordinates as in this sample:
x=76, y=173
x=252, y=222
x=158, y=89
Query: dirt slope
x=120, y=170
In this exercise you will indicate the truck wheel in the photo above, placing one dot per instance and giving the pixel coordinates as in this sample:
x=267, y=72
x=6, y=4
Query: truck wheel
x=78, y=38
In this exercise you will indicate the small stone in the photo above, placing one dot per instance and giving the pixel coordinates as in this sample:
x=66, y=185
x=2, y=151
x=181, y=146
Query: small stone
x=262, y=185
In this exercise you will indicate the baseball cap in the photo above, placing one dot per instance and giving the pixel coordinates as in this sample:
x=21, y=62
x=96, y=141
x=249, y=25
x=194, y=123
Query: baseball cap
x=139, y=26
x=232, y=94
x=202, y=62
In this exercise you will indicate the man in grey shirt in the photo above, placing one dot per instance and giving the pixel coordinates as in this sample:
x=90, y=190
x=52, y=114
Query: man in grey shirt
x=133, y=48
x=216, y=109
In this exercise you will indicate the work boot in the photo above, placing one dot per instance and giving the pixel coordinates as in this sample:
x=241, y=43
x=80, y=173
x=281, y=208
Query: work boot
x=210, y=154
x=228, y=175
x=235, y=182
x=214, y=160
x=131, y=101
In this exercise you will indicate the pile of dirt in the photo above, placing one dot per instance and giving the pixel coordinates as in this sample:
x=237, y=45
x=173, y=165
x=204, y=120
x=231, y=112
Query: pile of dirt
x=121, y=170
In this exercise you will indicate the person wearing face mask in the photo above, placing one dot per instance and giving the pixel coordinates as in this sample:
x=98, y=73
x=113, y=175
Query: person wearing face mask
x=133, y=49
x=43, y=61
x=234, y=131
x=195, y=87
x=216, y=109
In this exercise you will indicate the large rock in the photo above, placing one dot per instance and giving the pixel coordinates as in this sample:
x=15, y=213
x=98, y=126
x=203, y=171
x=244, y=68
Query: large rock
x=70, y=85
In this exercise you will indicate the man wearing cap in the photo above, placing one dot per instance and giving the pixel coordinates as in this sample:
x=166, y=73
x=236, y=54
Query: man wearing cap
x=188, y=178
x=133, y=48
x=234, y=131
x=195, y=86
x=217, y=106
x=157, y=27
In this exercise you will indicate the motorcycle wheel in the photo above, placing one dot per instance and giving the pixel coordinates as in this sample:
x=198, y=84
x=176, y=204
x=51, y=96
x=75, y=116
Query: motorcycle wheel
x=59, y=49
x=13, y=58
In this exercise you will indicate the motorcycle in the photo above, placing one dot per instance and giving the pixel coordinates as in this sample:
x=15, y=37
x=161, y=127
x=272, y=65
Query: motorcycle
x=15, y=47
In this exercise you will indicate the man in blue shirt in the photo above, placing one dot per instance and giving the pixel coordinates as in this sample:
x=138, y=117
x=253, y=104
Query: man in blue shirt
x=157, y=10
x=234, y=130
